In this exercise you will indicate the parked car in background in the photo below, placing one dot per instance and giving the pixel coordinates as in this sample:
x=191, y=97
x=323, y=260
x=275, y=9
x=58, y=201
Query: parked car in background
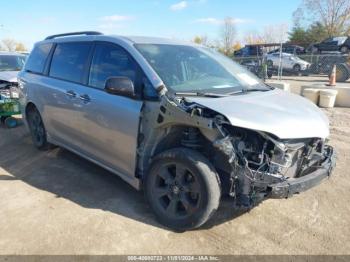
x=258, y=69
x=249, y=50
x=290, y=49
x=183, y=122
x=10, y=64
x=341, y=44
x=289, y=62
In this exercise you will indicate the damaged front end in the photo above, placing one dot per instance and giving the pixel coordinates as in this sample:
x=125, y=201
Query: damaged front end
x=265, y=166
x=252, y=165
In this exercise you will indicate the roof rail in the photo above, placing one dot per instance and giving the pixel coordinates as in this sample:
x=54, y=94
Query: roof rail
x=73, y=33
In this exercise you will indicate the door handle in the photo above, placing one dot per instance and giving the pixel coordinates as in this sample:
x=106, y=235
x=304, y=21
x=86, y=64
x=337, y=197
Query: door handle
x=71, y=94
x=85, y=98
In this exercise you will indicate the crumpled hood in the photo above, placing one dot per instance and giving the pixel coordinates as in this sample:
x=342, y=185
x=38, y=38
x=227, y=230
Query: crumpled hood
x=9, y=76
x=277, y=112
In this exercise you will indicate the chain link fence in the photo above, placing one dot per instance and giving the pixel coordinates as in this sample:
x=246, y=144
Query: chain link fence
x=283, y=64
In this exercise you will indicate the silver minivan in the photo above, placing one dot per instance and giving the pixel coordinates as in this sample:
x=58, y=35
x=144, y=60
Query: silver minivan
x=178, y=120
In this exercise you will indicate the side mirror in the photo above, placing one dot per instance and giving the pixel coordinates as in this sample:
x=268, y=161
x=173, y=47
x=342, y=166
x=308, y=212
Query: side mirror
x=121, y=86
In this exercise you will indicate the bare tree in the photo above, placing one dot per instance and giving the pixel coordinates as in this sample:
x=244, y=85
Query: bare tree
x=12, y=45
x=334, y=15
x=9, y=44
x=275, y=33
x=253, y=37
x=270, y=34
x=228, y=35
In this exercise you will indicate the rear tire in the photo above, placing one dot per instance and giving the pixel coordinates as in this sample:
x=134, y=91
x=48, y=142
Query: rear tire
x=182, y=188
x=344, y=49
x=37, y=129
x=342, y=73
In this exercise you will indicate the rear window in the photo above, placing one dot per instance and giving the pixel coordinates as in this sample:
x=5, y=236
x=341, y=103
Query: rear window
x=37, y=58
x=69, y=61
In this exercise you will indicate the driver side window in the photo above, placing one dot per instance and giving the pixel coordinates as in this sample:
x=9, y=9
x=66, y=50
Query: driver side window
x=110, y=60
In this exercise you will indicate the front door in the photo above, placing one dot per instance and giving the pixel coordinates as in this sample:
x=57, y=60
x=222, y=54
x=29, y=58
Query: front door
x=110, y=123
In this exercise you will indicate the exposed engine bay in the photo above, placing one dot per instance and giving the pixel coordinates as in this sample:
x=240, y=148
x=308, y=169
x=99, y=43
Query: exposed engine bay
x=249, y=162
x=7, y=85
x=8, y=89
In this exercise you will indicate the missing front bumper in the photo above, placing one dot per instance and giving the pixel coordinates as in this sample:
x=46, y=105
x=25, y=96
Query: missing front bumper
x=290, y=187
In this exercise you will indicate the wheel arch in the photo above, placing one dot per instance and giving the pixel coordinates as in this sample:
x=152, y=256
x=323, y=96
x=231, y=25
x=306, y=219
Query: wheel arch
x=29, y=106
x=162, y=140
x=174, y=138
x=171, y=139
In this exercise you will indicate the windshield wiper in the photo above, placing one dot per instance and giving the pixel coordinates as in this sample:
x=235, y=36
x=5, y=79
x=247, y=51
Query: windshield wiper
x=255, y=90
x=248, y=91
x=205, y=94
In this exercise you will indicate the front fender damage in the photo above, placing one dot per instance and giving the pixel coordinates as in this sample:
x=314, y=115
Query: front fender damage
x=249, y=161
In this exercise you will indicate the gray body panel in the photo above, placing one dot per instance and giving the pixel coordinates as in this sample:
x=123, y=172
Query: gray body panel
x=276, y=112
x=9, y=76
x=105, y=129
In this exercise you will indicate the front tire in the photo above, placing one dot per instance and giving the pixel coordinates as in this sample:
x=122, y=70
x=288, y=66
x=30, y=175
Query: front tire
x=37, y=129
x=269, y=64
x=182, y=188
x=297, y=69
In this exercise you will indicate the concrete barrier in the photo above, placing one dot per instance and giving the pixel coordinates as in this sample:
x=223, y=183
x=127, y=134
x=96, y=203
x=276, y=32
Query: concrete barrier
x=327, y=98
x=279, y=84
x=312, y=94
x=343, y=97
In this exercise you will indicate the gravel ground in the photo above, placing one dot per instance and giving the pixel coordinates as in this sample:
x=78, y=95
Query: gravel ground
x=58, y=203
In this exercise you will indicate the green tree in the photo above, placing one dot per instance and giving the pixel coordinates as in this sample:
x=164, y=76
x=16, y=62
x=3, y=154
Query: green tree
x=317, y=32
x=299, y=36
x=304, y=37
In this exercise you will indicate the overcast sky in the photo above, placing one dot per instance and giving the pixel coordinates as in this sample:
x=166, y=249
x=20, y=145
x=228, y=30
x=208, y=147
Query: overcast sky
x=31, y=21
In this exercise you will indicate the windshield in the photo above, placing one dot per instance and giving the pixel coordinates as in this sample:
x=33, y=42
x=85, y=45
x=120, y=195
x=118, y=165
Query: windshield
x=197, y=69
x=11, y=62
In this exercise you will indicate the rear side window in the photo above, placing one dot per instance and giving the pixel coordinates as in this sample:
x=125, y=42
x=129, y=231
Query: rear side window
x=37, y=59
x=110, y=60
x=69, y=61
